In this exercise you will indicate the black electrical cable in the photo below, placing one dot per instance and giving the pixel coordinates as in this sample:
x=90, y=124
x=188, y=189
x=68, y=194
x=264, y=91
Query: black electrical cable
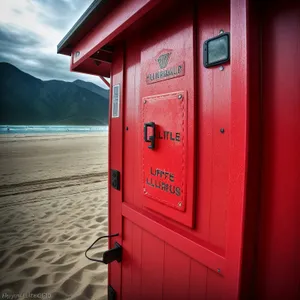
x=90, y=247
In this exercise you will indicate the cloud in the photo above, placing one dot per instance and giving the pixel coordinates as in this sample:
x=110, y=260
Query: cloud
x=30, y=31
x=63, y=14
x=12, y=36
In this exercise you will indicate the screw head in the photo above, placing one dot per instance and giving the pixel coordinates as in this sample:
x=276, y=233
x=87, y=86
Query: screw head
x=179, y=203
x=221, y=31
x=145, y=101
x=219, y=270
x=221, y=68
x=222, y=130
x=179, y=96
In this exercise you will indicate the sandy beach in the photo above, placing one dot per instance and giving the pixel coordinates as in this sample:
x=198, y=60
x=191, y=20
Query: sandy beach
x=53, y=205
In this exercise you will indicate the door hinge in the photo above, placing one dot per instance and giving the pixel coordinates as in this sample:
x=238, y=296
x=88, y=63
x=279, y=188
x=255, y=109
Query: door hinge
x=115, y=179
x=111, y=293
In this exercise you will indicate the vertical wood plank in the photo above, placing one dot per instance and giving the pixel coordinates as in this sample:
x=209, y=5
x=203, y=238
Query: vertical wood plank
x=176, y=274
x=198, y=278
x=238, y=145
x=127, y=259
x=116, y=162
x=215, y=286
x=136, y=262
x=152, y=267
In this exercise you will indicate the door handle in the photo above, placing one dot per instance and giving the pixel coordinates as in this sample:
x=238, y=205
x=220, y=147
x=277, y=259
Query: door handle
x=151, y=138
x=109, y=255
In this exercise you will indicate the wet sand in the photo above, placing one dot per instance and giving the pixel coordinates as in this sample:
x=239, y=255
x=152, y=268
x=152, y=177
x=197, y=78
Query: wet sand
x=53, y=205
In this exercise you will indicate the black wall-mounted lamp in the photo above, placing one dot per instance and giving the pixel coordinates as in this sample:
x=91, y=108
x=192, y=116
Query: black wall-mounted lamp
x=216, y=50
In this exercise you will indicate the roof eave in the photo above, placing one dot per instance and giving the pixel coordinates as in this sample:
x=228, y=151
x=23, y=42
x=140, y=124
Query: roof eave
x=65, y=45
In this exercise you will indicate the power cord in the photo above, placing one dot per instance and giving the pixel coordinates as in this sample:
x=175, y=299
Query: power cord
x=98, y=239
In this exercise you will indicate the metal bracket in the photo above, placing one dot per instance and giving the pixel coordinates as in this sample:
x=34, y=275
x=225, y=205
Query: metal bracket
x=113, y=254
x=111, y=293
x=115, y=179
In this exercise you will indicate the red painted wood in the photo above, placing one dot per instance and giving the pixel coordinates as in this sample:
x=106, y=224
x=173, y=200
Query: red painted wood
x=128, y=260
x=132, y=261
x=177, y=38
x=90, y=66
x=125, y=14
x=137, y=264
x=177, y=269
x=207, y=251
x=213, y=240
x=279, y=247
x=159, y=168
x=216, y=286
x=238, y=146
x=181, y=241
x=115, y=162
x=131, y=111
x=105, y=81
x=213, y=114
x=152, y=272
x=197, y=284
x=132, y=140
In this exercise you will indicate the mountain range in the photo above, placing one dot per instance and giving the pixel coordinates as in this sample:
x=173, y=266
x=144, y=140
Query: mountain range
x=27, y=100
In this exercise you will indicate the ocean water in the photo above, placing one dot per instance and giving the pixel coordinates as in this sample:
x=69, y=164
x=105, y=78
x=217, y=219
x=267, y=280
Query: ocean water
x=13, y=129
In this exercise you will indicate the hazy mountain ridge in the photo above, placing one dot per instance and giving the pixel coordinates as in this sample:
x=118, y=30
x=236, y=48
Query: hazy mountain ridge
x=26, y=100
x=92, y=87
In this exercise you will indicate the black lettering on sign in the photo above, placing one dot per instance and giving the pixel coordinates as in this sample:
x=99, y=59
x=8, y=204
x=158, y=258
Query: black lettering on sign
x=166, y=187
x=165, y=74
x=152, y=172
x=161, y=185
x=148, y=182
x=172, y=177
x=168, y=135
x=172, y=189
x=162, y=174
x=157, y=184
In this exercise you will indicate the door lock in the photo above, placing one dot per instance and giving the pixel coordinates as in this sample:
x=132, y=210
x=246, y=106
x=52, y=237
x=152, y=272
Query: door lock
x=151, y=138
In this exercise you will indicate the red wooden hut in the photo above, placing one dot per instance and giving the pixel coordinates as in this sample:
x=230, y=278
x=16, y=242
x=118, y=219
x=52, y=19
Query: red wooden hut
x=204, y=145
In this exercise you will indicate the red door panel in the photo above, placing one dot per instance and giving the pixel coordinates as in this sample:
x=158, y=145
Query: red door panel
x=166, y=95
x=198, y=276
x=177, y=274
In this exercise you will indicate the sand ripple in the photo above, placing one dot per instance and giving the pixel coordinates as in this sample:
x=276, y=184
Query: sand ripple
x=46, y=223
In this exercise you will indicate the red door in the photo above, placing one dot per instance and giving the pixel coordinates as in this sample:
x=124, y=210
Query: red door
x=179, y=208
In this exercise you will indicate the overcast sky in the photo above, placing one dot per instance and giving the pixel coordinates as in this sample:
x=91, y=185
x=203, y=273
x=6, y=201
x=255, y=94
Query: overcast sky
x=30, y=31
